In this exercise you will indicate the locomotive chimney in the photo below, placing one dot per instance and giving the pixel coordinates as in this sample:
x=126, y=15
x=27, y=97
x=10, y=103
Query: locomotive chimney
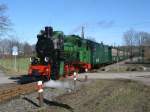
x=48, y=31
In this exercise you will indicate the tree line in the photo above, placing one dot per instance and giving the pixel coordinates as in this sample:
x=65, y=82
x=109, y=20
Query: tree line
x=24, y=48
x=138, y=43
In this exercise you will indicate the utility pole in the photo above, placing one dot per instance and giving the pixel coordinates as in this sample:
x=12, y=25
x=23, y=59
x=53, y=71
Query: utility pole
x=118, y=54
x=142, y=48
x=139, y=48
x=82, y=32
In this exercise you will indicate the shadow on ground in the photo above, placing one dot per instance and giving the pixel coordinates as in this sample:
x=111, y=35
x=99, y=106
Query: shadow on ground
x=30, y=101
x=24, y=79
x=55, y=103
x=50, y=103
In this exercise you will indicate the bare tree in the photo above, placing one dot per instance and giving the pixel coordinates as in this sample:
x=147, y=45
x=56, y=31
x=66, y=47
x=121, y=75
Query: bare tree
x=4, y=20
x=129, y=39
x=27, y=49
x=6, y=45
x=137, y=43
x=144, y=45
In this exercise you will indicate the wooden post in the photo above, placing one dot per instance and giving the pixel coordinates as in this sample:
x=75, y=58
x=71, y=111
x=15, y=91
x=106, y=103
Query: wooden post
x=86, y=77
x=41, y=99
x=40, y=93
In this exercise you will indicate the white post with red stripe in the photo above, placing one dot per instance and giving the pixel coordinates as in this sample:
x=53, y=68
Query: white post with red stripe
x=40, y=91
x=86, y=70
x=86, y=77
x=74, y=78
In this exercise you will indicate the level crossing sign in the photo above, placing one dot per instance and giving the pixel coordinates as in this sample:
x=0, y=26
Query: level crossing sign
x=14, y=50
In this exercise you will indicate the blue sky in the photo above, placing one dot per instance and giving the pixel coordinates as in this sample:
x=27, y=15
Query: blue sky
x=104, y=20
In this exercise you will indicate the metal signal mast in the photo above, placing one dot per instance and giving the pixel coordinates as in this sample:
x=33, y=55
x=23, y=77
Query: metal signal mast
x=82, y=32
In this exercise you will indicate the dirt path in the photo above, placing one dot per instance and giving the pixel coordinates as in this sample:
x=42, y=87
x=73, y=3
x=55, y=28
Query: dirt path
x=143, y=77
x=4, y=79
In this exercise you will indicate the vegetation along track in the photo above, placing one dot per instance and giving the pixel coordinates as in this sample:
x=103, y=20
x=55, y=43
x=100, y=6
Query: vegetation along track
x=9, y=93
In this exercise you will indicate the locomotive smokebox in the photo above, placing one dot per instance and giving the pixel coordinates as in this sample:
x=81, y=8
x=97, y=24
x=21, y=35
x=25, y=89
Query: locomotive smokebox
x=49, y=31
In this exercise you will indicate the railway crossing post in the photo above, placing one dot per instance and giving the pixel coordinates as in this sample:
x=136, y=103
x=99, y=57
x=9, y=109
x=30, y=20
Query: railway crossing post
x=86, y=77
x=74, y=78
x=40, y=93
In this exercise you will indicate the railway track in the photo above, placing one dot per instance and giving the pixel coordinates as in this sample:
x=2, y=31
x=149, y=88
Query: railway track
x=9, y=93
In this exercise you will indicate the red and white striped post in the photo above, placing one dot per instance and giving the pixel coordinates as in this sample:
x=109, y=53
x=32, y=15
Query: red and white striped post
x=74, y=78
x=40, y=93
x=86, y=70
x=86, y=77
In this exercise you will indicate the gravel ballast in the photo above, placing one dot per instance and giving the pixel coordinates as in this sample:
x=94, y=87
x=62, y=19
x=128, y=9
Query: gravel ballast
x=30, y=102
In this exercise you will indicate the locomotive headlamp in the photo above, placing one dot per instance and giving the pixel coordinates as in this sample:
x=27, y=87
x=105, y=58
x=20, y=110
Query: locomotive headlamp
x=32, y=59
x=46, y=59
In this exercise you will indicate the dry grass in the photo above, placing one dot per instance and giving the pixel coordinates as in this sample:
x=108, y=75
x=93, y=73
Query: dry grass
x=122, y=68
x=106, y=96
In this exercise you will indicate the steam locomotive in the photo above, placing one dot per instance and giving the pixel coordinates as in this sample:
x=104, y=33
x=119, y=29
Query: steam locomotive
x=59, y=55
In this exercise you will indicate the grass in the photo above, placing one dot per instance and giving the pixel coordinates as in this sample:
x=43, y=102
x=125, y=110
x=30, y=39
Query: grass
x=7, y=64
x=123, y=68
x=107, y=96
x=129, y=98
